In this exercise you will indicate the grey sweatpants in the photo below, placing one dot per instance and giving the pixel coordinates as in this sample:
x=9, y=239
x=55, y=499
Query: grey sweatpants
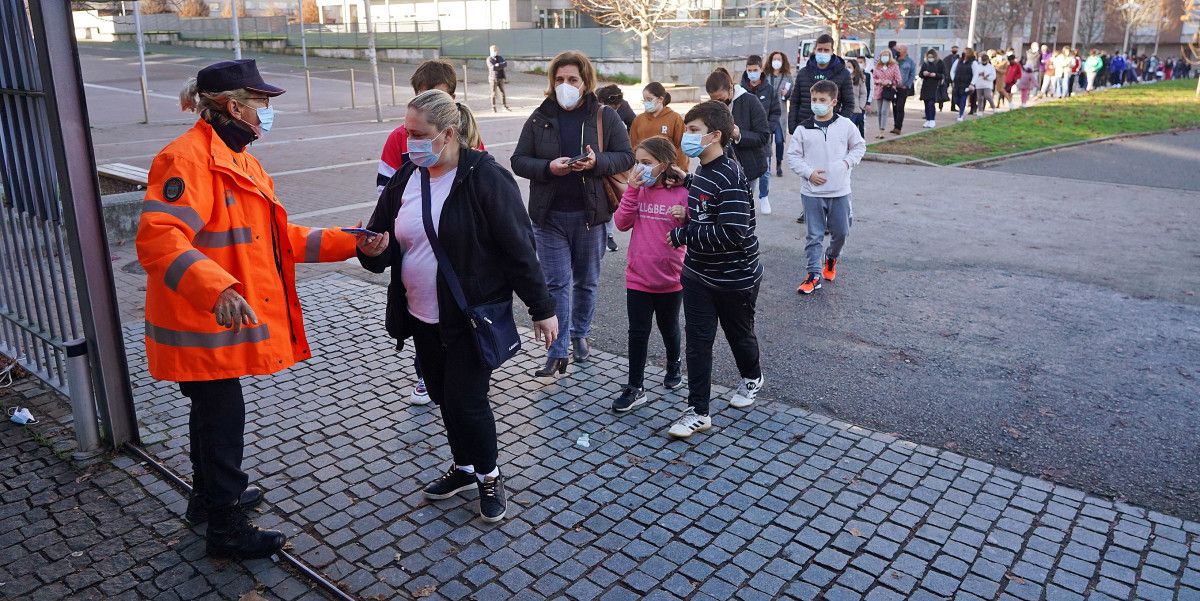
x=834, y=214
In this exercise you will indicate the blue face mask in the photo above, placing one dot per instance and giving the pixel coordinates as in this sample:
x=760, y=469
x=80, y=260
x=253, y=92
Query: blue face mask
x=754, y=75
x=692, y=144
x=820, y=110
x=420, y=152
x=823, y=58
x=266, y=117
x=651, y=105
x=647, y=175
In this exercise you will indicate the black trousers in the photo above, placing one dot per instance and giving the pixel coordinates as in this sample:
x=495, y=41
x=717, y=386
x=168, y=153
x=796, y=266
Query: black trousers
x=458, y=383
x=898, y=108
x=643, y=307
x=704, y=308
x=216, y=427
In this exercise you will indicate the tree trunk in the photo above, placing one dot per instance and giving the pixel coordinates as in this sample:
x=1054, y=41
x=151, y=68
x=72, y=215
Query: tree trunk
x=645, y=35
x=837, y=37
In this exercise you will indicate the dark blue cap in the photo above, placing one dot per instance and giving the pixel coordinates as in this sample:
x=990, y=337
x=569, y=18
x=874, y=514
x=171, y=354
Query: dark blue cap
x=234, y=75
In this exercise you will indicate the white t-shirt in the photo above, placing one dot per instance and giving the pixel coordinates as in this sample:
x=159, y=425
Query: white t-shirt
x=419, y=269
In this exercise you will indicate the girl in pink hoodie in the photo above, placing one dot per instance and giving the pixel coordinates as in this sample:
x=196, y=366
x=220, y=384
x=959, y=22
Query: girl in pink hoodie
x=652, y=276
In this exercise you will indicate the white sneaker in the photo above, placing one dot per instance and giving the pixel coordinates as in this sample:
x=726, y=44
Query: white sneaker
x=932, y=124
x=959, y=119
x=764, y=206
x=420, y=394
x=744, y=397
x=689, y=423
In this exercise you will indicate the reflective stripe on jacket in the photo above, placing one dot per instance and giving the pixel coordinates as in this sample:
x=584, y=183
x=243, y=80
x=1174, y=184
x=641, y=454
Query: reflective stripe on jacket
x=211, y=220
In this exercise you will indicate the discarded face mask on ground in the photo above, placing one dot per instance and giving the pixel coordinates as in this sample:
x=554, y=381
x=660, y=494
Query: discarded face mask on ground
x=21, y=415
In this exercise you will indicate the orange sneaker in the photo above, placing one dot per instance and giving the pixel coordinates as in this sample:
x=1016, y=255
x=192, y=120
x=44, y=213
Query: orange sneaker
x=830, y=270
x=810, y=284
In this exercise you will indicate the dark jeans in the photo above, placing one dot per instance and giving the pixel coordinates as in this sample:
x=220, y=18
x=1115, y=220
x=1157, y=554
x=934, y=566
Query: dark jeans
x=643, y=307
x=216, y=428
x=458, y=383
x=498, y=86
x=930, y=112
x=960, y=100
x=898, y=108
x=860, y=120
x=703, y=309
x=779, y=140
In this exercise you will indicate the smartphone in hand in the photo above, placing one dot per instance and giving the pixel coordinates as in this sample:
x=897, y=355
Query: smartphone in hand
x=573, y=160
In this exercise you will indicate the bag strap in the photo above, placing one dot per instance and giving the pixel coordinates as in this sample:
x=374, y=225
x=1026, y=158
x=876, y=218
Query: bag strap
x=443, y=261
x=600, y=129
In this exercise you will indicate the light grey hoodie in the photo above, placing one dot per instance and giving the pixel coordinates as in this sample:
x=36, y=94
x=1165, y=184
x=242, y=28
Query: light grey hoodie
x=836, y=150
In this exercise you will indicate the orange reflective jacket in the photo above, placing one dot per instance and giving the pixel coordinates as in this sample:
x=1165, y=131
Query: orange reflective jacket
x=211, y=220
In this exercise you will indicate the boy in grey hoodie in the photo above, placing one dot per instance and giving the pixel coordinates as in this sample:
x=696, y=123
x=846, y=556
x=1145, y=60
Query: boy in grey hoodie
x=823, y=150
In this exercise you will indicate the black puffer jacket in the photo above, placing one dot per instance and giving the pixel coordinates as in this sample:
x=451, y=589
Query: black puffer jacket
x=539, y=145
x=486, y=233
x=962, y=76
x=836, y=72
x=931, y=84
x=751, y=119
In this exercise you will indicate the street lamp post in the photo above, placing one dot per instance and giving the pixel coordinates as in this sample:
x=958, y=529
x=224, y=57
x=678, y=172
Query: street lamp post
x=237, y=36
x=1075, y=25
x=374, y=60
x=141, y=46
x=971, y=26
x=304, y=54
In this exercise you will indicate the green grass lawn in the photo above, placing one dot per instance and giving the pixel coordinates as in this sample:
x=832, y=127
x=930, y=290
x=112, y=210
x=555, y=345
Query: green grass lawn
x=1137, y=109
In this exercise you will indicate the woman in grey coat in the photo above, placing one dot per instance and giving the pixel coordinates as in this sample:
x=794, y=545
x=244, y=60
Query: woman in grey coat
x=559, y=153
x=778, y=71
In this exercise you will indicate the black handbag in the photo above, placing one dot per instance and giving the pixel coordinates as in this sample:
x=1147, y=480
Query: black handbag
x=888, y=93
x=492, y=325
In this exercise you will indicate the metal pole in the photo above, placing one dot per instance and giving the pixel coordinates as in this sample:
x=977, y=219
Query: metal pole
x=66, y=112
x=374, y=60
x=393, y=86
x=353, y=103
x=308, y=89
x=304, y=45
x=920, y=28
x=1075, y=25
x=971, y=27
x=464, y=80
x=141, y=46
x=83, y=400
x=237, y=35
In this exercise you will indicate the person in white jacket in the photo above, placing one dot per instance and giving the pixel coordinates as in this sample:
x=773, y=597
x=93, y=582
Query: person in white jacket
x=983, y=79
x=824, y=150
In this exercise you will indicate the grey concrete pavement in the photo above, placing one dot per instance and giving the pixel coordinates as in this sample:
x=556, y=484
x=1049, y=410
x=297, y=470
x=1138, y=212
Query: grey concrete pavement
x=1170, y=160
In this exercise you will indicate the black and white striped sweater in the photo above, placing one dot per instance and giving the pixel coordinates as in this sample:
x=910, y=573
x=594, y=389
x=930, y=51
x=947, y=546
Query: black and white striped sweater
x=722, y=249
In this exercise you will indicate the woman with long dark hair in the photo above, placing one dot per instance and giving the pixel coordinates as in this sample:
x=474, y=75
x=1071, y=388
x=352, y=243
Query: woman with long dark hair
x=778, y=73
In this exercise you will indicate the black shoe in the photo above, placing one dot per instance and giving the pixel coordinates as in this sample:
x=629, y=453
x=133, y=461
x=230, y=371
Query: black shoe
x=631, y=397
x=449, y=484
x=582, y=349
x=779, y=172
x=553, y=366
x=674, y=377
x=230, y=534
x=493, y=502
x=197, y=507
x=612, y=244
x=507, y=109
x=800, y=219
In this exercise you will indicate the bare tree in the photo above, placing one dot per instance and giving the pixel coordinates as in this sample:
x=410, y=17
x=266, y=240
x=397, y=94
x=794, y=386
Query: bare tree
x=226, y=11
x=1135, y=14
x=1191, y=52
x=193, y=8
x=845, y=17
x=154, y=7
x=1091, y=21
x=647, y=18
x=311, y=13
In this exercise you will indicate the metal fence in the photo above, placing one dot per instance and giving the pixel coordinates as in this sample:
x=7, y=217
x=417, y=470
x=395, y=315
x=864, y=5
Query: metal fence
x=56, y=282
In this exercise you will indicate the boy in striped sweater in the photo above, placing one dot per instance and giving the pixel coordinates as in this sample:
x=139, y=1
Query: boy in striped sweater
x=721, y=272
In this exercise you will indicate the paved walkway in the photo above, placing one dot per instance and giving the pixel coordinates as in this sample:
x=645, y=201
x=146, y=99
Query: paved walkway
x=774, y=502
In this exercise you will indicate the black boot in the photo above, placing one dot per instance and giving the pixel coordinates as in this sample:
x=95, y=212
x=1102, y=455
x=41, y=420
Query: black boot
x=674, y=377
x=553, y=366
x=230, y=534
x=582, y=349
x=197, y=507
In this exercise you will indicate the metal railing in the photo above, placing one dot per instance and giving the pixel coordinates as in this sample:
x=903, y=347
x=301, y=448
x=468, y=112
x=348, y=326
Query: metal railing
x=56, y=282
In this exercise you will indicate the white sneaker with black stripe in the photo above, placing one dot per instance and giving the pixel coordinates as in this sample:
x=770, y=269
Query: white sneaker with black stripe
x=746, y=393
x=690, y=423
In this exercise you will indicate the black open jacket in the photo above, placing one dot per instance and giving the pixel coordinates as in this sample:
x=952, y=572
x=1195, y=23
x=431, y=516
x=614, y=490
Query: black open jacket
x=538, y=146
x=485, y=231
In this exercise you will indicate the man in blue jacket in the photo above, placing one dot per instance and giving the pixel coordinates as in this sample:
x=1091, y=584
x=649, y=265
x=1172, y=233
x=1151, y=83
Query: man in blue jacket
x=908, y=74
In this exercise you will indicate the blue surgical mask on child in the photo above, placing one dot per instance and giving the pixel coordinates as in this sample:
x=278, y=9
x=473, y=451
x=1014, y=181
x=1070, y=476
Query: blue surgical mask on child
x=651, y=105
x=647, y=174
x=692, y=144
x=820, y=109
x=754, y=75
x=420, y=152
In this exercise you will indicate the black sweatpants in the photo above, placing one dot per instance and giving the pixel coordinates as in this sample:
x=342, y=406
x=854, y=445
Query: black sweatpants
x=458, y=383
x=643, y=307
x=898, y=108
x=216, y=427
x=703, y=309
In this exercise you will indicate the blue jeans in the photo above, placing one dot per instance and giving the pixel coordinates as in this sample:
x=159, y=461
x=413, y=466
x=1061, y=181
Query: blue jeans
x=570, y=253
x=834, y=214
x=961, y=101
x=930, y=114
x=764, y=182
x=859, y=120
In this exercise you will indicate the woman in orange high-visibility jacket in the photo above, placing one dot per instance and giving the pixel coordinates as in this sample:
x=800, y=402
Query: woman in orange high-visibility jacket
x=221, y=299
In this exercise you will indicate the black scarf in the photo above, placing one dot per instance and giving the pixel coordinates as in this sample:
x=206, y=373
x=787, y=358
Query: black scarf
x=235, y=136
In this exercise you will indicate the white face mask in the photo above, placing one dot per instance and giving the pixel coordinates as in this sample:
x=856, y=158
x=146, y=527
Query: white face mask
x=567, y=95
x=777, y=64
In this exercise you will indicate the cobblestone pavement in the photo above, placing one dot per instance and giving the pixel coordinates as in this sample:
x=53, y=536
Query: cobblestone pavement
x=774, y=502
x=99, y=532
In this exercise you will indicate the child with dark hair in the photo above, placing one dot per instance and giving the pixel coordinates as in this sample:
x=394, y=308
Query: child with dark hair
x=721, y=271
x=659, y=120
x=612, y=96
x=823, y=150
x=754, y=83
x=652, y=276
